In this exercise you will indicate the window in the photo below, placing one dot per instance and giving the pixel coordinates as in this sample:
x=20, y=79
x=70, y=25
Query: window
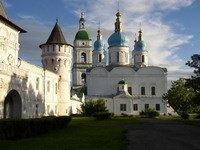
x=83, y=78
x=135, y=107
x=48, y=86
x=143, y=58
x=56, y=88
x=37, y=83
x=36, y=110
x=142, y=90
x=130, y=90
x=146, y=106
x=109, y=57
x=158, y=107
x=56, y=109
x=100, y=57
x=117, y=56
x=122, y=107
x=153, y=90
x=53, y=48
x=48, y=109
x=83, y=58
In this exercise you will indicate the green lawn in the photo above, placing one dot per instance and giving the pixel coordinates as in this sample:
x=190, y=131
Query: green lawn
x=191, y=120
x=82, y=134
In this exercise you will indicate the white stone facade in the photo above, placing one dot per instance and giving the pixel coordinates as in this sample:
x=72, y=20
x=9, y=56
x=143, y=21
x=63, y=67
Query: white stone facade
x=27, y=90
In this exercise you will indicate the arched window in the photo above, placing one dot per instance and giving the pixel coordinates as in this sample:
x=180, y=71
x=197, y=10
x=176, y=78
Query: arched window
x=117, y=56
x=100, y=57
x=109, y=57
x=142, y=90
x=83, y=57
x=83, y=78
x=153, y=90
x=142, y=58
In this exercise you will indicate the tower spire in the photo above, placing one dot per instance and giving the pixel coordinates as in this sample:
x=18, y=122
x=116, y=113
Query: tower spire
x=140, y=33
x=118, y=23
x=99, y=35
x=82, y=22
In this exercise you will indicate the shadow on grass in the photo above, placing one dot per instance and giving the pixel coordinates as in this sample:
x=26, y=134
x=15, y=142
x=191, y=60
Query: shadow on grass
x=82, y=133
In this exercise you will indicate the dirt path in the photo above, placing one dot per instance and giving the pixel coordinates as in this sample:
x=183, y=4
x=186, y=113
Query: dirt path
x=163, y=135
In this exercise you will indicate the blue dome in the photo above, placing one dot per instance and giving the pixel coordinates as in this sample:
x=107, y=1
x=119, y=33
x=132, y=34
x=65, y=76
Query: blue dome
x=140, y=46
x=118, y=39
x=98, y=45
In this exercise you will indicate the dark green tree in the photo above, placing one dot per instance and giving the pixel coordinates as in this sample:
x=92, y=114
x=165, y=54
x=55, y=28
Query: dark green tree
x=179, y=97
x=194, y=81
x=93, y=106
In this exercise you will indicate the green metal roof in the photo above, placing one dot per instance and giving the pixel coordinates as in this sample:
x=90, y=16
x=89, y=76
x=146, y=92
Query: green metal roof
x=123, y=82
x=82, y=35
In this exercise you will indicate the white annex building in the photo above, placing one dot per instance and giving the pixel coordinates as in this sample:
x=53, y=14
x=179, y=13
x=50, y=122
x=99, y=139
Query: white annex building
x=125, y=81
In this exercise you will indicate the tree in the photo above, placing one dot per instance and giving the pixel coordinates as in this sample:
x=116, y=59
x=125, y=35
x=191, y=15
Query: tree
x=179, y=97
x=90, y=107
x=194, y=81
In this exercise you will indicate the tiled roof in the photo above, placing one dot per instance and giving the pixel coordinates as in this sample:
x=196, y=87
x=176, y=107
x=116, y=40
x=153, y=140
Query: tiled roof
x=56, y=36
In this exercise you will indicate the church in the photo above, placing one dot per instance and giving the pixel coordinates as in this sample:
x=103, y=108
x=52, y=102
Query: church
x=127, y=83
x=119, y=76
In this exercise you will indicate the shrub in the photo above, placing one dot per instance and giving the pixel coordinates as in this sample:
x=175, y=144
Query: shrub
x=184, y=115
x=22, y=128
x=90, y=107
x=102, y=115
x=150, y=113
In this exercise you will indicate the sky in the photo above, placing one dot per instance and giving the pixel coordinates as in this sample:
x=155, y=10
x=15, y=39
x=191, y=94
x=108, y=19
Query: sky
x=170, y=27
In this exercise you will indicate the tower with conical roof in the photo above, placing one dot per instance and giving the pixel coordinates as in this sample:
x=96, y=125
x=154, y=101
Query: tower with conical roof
x=98, y=54
x=57, y=57
x=140, y=53
x=82, y=54
x=118, y=44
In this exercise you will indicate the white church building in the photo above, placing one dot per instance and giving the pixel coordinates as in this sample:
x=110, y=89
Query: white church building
x=123, y=79
x=127, y=84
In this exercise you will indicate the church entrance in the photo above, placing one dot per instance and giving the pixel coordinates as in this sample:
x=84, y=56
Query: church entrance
x=13, y=105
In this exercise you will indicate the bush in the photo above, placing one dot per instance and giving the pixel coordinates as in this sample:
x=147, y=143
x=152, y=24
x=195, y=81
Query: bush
x=13, y=129
x=90, y=107
x=184, y=115
x=150, y=113
x=102, y=115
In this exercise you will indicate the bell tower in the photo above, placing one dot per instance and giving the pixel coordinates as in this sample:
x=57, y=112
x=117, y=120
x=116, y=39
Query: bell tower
x=82, y=54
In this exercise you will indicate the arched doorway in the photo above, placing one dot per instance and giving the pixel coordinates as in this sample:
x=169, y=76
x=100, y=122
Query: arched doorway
x=13, y=105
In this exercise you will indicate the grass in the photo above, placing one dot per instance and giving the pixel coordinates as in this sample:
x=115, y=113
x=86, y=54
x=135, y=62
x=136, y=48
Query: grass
x=82, y=133
x=191, y=120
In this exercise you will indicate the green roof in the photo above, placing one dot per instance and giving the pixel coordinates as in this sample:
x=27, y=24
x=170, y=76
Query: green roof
x=82, y=35
x=123, y=82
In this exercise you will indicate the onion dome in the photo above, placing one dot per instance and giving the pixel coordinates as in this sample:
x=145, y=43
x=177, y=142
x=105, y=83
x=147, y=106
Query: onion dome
x=118, y=38
x=82, y=35
x=99, y=44
x=123, y=82
x=140, y=45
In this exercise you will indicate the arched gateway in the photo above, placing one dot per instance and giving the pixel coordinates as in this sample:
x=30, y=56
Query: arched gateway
x=13, y=105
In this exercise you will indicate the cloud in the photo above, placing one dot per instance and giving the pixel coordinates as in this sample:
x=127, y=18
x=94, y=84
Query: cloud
x=162, y=41
x=26, y=17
